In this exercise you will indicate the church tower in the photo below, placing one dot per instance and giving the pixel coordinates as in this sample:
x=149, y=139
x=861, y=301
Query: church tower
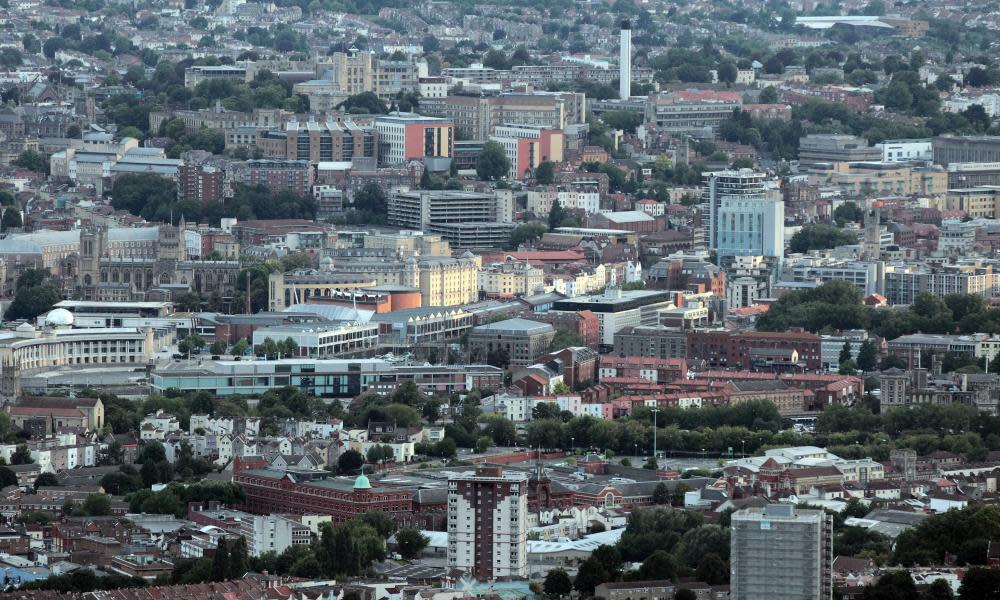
x=871, y=244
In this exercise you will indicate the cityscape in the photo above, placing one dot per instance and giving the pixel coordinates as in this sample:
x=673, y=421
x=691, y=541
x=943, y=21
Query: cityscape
x=499, y=300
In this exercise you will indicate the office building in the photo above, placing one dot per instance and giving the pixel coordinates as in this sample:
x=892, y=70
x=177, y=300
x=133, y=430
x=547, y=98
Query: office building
x=692, y=111
x=625, y=62
x=319, y=377
x=950, y=149
x=906, y=150
x=522, y=340
x=743, y=218
x=323, y=341
x=464, y=219
x=617, y=309
x=528, y=146
x=487, y=524
x=475, y=117
x=829, y=148
x=407, y=136
x=781, y=552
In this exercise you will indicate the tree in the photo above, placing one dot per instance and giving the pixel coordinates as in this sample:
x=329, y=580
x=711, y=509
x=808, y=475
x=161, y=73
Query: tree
x=410, y=543
x=240, y=347
x=557, y=584
x=589, y=575
x=556, y=215
x=659, y=565
x=220, y=562
x=218, y=347
x=350, y=462
x=848, y=212
x=685, y=594
x=661, y=495
x=364, y=103
x=564, y=338
x=493, y=163
x=939, y=589
x=768, y=95
x=289, y=347
x=32, y=301
x=239, y=559
x=7, y=477
x=845, y=353
x=980, y=583
x=431, y=411
x=712, y=570
x=868, y=355
x=727, y=72
x=96, y=505
x=894, y=585
x=819, y=237
x=192, y=344
x=21, y=455
x=46, y=479
x=33, y=161
x=545, y=174
x=528, y=232
x=651, y=464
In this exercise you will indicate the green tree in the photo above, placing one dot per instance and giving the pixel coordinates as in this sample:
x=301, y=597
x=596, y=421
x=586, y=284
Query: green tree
x=589, y=575
x=96, y=505
x=939, y=589
x=192, y=344
x=493, y=163
x=685, y=594
x=218, y=347
x=240, y=347
x=712, y=570
x=660, y=565
x=431, y=411
x=545, y=174
x=868, y=355
x=564, y=338
x=557, y=584
x=768, y=95
x=364, y=103
x=350, y=462
x=21, y=455
x=410, y=543
x=819, y=237
x=845, y=352
x=528, y=232
x=32, y=301
x=557, y=214
x=980, y=583
x=661, y=495
x=47, y=480
x=33, y=161
x=7, y=477
x=220, y=562
x=239, y=559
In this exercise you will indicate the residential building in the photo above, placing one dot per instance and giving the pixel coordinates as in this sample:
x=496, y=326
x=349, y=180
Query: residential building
x=781, y=552
x=327, y=141
x=656, y=341
x=522, y=340
x=487, y=524
x=281, y=175
x=755, y=349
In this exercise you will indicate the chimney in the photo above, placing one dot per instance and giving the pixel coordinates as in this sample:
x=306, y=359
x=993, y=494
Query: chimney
x=625, y=61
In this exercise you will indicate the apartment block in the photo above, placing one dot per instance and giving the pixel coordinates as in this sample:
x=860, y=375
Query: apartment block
x=487, y=524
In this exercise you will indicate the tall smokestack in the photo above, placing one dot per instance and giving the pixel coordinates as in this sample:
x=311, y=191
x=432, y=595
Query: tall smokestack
x=625, y=62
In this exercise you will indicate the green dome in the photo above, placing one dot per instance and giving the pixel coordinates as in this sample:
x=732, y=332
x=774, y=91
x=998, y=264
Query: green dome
x=362, y=483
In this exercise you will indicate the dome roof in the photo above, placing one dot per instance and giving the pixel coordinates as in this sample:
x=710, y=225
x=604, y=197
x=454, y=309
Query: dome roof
x=59, y=317
x=362, y=483
x=25, y=327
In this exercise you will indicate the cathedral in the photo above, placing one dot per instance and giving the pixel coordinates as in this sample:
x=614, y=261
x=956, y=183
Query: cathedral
x=151, y=272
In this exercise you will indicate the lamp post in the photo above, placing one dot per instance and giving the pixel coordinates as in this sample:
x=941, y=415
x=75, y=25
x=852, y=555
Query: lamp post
x=572, y=445
x=636, y=450
x=655, y=411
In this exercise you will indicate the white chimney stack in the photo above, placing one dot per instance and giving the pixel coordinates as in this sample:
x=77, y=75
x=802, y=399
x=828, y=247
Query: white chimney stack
x=625, y=62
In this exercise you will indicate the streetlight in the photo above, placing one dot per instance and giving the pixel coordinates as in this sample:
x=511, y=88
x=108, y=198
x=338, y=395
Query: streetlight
x=744, y=442
x=636, y=450
x=572, y=444
x=655, y=411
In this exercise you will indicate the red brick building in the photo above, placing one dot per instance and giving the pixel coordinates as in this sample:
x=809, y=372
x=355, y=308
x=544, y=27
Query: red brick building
x=658, y=370
x=583, y=323
x=751, y=349
x=199, y=183
x=577, y=365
